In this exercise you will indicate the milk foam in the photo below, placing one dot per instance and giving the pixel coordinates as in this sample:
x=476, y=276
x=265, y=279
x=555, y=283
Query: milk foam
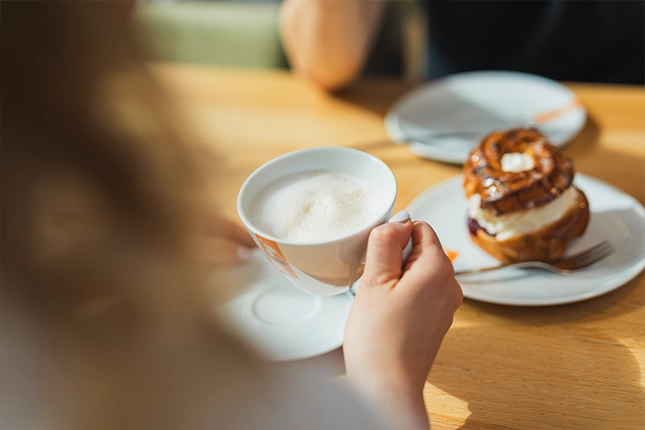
x=316, y=206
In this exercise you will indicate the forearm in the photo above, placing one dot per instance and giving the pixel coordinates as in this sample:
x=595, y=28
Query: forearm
x=327, y=41
x=399, y=403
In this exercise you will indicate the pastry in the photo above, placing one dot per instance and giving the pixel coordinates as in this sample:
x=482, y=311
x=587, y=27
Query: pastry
x=522, y=202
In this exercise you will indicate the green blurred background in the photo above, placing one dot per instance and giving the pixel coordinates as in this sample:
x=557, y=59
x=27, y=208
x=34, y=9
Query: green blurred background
x=226, y=33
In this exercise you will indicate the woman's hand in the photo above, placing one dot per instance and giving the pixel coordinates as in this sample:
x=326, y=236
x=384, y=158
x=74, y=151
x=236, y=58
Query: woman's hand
x=219, y=240
x=399, y=318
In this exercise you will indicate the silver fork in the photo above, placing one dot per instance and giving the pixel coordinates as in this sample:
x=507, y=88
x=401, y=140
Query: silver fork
x=563, y=266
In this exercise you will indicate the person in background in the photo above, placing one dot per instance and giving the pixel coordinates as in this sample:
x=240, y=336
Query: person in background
x=104, y=321
x=329, y=42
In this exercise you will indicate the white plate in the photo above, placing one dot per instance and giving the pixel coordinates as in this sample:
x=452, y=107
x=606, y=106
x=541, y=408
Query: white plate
x=615, y=216
x=482, y=102
x=275, y=317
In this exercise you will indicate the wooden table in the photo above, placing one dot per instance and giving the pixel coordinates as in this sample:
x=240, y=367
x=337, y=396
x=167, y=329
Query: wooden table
x=576, y=366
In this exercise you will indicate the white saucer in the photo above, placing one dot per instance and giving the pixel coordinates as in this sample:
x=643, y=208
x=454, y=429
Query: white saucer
x=481, y=102
x=615, y=216
x=275, y=317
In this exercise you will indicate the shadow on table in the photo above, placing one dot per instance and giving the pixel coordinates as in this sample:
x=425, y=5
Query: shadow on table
x=621, y=169
x=585, y=141
x=376, y=95
x=591, y=382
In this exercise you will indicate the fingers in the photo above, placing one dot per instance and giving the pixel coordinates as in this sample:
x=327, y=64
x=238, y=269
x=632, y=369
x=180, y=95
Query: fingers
x=430, y=268
x=383, y=262
x=238, y=234
x=214, y=251
x=427, y=257
x=219, y=226
x=426, y=244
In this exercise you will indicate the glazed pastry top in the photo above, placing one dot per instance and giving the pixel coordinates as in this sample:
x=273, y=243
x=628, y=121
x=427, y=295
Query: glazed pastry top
x=550, y=173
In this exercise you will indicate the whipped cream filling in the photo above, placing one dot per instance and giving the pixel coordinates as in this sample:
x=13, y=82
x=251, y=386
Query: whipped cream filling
x=526, y=221
x=517, y=162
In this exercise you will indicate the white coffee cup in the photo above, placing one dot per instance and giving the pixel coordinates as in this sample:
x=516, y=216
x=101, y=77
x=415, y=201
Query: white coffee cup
x=327, y=267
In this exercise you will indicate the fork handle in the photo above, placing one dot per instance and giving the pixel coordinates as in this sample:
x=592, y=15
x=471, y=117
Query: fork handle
x=518, y=264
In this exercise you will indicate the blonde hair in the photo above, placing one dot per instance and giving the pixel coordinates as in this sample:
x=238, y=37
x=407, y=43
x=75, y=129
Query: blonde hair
x=98, y=185
x=92, y=156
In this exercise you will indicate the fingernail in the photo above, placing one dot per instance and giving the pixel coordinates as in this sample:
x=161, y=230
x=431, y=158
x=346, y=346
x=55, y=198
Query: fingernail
x=244, y=253
x=400, y=216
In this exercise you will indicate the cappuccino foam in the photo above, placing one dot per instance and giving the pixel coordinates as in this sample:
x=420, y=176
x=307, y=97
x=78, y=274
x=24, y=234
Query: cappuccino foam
x=316, y=206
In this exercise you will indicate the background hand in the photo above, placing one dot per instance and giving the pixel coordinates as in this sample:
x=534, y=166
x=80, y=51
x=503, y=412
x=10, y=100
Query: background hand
x=219, y=240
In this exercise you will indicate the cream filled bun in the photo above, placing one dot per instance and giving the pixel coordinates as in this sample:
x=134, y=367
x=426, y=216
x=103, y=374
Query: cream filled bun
x=521, y=202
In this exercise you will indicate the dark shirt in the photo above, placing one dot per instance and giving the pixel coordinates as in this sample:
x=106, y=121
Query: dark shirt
x=586, y=41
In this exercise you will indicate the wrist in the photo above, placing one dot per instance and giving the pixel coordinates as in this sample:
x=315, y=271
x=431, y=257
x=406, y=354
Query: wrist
x=404, y=410
x=393, y=396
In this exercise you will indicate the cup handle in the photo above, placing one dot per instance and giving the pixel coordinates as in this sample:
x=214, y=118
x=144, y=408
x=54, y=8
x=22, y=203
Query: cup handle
x=403, y=216
x=407, y=250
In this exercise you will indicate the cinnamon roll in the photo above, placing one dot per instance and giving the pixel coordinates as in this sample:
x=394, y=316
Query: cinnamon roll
x=522, y=202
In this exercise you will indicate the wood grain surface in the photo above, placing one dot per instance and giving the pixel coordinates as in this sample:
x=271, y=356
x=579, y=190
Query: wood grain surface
x=575, y=366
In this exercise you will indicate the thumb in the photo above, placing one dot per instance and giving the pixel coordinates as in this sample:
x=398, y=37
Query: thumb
x=383, y=261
